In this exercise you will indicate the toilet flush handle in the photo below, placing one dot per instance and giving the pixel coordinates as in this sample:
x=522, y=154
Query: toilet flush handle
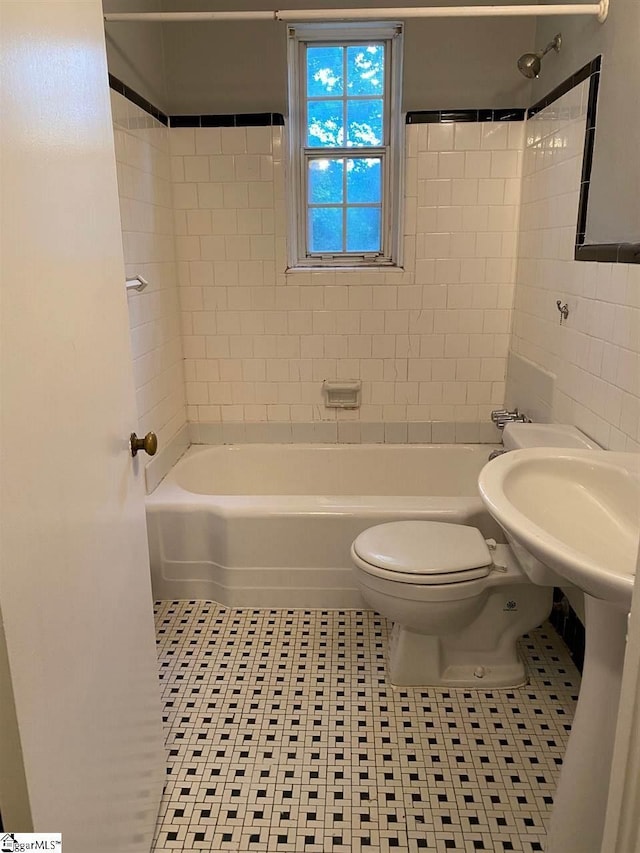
x=149, y=443
x=492, y=545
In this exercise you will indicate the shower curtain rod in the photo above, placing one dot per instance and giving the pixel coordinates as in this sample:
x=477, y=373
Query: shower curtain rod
x=600, y=10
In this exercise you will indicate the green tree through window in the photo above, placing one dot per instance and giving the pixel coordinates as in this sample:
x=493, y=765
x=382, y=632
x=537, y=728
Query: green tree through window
x=345, y=147
x=345, y=109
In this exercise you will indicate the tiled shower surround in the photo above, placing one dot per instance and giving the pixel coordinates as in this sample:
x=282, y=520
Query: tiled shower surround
x=284, y=734
x=587, y=371
x=429, y=343
x=146, y=211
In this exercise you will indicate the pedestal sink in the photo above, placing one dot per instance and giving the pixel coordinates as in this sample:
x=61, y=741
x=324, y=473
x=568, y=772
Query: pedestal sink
x=574, y=515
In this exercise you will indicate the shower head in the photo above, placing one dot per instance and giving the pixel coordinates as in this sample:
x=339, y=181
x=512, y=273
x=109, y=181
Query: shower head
x=529, y=63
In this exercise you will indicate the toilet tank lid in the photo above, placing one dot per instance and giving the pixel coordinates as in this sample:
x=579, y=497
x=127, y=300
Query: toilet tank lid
x=423, y=547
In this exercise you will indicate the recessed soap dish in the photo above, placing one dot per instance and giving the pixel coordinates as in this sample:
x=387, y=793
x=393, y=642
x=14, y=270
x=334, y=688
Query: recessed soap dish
x=342, y=394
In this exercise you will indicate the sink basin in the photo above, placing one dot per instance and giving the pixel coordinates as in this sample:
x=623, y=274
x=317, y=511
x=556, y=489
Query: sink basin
x=577, y=511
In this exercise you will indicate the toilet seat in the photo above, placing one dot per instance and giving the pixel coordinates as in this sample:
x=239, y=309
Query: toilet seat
x=423, y=552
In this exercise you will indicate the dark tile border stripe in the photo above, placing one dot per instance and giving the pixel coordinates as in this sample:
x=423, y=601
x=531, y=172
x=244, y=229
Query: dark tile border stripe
x=448, y=116
x=229, y=120
x=616, y=253
x=611, y=253
x=584, y=73
x=277, y=119
x=628, y=253
x=131, y=95
x=587, y=159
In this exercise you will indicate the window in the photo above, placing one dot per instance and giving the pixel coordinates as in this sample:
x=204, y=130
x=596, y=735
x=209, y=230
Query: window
x=345, y=144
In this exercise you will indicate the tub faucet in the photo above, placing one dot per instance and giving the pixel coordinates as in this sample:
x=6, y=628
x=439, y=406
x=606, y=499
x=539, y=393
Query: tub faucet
x=495, y=453
x=500, y=417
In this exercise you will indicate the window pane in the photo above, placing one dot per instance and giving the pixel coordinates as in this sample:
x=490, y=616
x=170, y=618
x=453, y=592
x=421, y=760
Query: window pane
x=364, y=120
x=324, y=71
x=325, y=229
x=363, y=229
x=364, y=180
x=325, y=181
x=365, y=69
x=324, y=124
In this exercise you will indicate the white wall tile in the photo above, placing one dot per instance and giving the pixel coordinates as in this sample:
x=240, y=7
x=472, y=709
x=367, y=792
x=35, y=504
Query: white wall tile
x=440, y=137
x=182, y=141
x=144, y=168
x=427, y=343
x=196, y=168
x=593, y=357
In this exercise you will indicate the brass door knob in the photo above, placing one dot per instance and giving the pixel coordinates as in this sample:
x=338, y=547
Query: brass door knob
x=149, y=443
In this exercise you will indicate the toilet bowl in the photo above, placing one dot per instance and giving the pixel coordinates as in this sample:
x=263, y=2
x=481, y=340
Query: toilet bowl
x=458, y=604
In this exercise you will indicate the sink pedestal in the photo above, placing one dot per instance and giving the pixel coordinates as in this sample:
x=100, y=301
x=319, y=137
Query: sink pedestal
x=577, y=820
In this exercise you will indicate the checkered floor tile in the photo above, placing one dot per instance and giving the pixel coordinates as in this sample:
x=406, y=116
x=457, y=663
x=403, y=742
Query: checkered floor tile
x=284, y=734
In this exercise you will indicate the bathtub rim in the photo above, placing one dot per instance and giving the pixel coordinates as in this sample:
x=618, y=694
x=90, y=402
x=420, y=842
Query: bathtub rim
x=168, y=493
x=281, y=584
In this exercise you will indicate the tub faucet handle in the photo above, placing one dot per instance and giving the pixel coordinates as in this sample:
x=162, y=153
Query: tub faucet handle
x=495, y=453
x=149, y=443
x=500, y=417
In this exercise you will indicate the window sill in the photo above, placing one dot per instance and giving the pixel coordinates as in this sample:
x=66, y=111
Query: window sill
x=391, y=268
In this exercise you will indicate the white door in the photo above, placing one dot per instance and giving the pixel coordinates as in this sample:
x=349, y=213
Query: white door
x=622, y=822
x=80, y=732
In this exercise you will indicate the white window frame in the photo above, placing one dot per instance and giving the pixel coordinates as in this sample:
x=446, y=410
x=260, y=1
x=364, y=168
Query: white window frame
x=391, y=151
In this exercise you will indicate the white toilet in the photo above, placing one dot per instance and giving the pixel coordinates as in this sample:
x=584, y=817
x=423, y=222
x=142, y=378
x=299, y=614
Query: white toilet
x=458, y=603
x=458, y=607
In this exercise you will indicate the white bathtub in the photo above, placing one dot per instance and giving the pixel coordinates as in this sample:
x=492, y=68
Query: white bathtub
x=271, y=525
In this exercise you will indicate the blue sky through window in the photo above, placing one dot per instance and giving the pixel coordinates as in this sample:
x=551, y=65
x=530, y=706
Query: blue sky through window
x=345, y=108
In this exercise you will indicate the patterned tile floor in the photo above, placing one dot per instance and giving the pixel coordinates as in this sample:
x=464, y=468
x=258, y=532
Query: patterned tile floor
x=283, y=734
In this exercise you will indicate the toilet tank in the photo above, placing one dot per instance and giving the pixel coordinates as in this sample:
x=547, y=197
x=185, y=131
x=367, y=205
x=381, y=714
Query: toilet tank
x=518, y=436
